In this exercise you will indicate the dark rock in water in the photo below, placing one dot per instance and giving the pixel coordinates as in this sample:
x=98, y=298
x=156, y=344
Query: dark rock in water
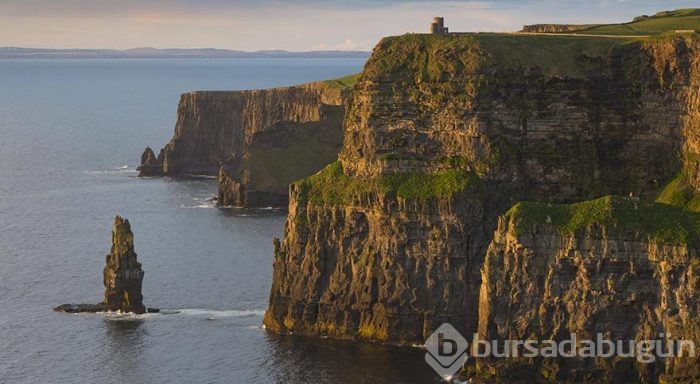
x=123, y=274
x=77, y=308
x=153, y=310
x=123, y=277
x=150, y=164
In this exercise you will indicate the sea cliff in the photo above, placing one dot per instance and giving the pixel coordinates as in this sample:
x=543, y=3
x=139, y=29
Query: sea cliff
x=442, y=135
x=257, y=141
x=621, y=268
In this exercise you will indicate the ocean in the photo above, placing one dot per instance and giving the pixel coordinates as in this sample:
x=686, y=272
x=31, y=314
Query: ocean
x=71, y=135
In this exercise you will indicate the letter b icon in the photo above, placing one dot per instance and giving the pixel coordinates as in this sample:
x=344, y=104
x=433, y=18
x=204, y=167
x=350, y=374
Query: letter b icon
x=447, y=351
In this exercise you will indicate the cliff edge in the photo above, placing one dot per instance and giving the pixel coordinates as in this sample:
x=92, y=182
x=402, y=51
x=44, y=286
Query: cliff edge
x=442, y=135
x=257, y=141
x=613, y=268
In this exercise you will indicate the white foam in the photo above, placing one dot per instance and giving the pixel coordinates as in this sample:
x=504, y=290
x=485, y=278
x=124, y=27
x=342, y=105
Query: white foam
x=118, y=170
x=219, y=313
x=202, y=202
x=120, y=316
x=204, y=205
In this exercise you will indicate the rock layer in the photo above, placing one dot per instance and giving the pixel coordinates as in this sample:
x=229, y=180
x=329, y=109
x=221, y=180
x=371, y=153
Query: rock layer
x=123, y=277
x=541, y=284
x=232, y=128
x=607, y=116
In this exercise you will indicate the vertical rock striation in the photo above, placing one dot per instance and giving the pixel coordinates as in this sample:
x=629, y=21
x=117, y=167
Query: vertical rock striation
x=388, y=243
x=299, y=128
x=618, y=273
x=123, y=275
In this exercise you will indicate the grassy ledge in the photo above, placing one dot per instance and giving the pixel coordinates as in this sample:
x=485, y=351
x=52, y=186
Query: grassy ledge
x=679, y=193
x=332, y=186
x=613, y=217
x=662, y=22
x=345, y=82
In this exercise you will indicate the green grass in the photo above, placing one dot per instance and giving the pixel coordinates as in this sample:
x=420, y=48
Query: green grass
x=345, y=82
x=613, y=217
x=662, y=22
x=555, y=55
x=294, y=150
x=679, y=193
x=444, y=58
x=332, y=186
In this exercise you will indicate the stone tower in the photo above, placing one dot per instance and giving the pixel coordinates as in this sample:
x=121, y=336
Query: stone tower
x=437, y=27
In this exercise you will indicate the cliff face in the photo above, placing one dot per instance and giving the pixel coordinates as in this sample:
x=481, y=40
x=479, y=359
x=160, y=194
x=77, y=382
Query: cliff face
x=554, y=28
x=544, y=279
x=388, y=243
x=123, y=275
x=379, y=268
x=566, y=118
x=229, y=127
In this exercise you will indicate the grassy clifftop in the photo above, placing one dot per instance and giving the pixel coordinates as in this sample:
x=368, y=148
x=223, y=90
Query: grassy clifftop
x=659, y=23
x=448, y=57
x=345, y=82
x=614, y=218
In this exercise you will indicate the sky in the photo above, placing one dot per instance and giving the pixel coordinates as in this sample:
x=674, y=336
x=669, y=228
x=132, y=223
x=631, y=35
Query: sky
x=297, y=25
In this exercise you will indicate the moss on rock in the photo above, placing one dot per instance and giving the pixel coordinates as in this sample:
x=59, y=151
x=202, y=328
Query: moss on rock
x=613, y=217
x=332, y=186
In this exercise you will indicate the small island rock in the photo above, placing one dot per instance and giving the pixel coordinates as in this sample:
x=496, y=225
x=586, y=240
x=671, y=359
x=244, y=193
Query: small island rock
x=123, y=277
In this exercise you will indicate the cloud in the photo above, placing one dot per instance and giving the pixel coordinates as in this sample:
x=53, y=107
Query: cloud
x=347, y=45
x=281, y=24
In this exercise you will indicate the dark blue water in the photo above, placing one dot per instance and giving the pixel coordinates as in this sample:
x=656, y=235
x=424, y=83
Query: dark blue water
x=71, y=133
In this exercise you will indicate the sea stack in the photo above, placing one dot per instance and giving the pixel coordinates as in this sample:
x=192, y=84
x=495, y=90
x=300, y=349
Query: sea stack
x=123, y=276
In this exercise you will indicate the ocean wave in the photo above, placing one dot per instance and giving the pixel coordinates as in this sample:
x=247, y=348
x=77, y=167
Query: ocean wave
x=202, y=202
x=216, y=313
x=205, y=205
x=211, y=314
x=121, y=316
x=124, y=169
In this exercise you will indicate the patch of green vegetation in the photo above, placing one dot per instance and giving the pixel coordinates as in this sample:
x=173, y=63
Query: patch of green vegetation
x=332, y=186
x=680, y=193
x=344, y=82
x=660, y=23
x=613, y=217
x=449, y=58
x=419, y=185
x=276, y=161
x=565, y=56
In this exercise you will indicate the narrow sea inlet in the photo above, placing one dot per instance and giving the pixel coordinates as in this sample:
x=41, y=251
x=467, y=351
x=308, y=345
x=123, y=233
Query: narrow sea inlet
x=71, y=134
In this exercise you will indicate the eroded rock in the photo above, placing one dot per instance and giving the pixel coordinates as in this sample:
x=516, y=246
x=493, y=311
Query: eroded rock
x=123, y=276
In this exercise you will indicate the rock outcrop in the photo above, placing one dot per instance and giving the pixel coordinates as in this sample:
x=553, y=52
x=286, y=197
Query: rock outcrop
x=619, y=273
x=123, y=277
x=554, y=28
x=442, y=135
x=259, y=140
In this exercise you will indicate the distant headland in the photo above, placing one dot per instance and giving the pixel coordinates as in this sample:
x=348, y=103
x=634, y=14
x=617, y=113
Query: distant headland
x=169, y=53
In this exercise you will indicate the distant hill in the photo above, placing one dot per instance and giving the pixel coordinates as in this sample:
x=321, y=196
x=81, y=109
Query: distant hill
x=659, y=23
x=137, y=53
